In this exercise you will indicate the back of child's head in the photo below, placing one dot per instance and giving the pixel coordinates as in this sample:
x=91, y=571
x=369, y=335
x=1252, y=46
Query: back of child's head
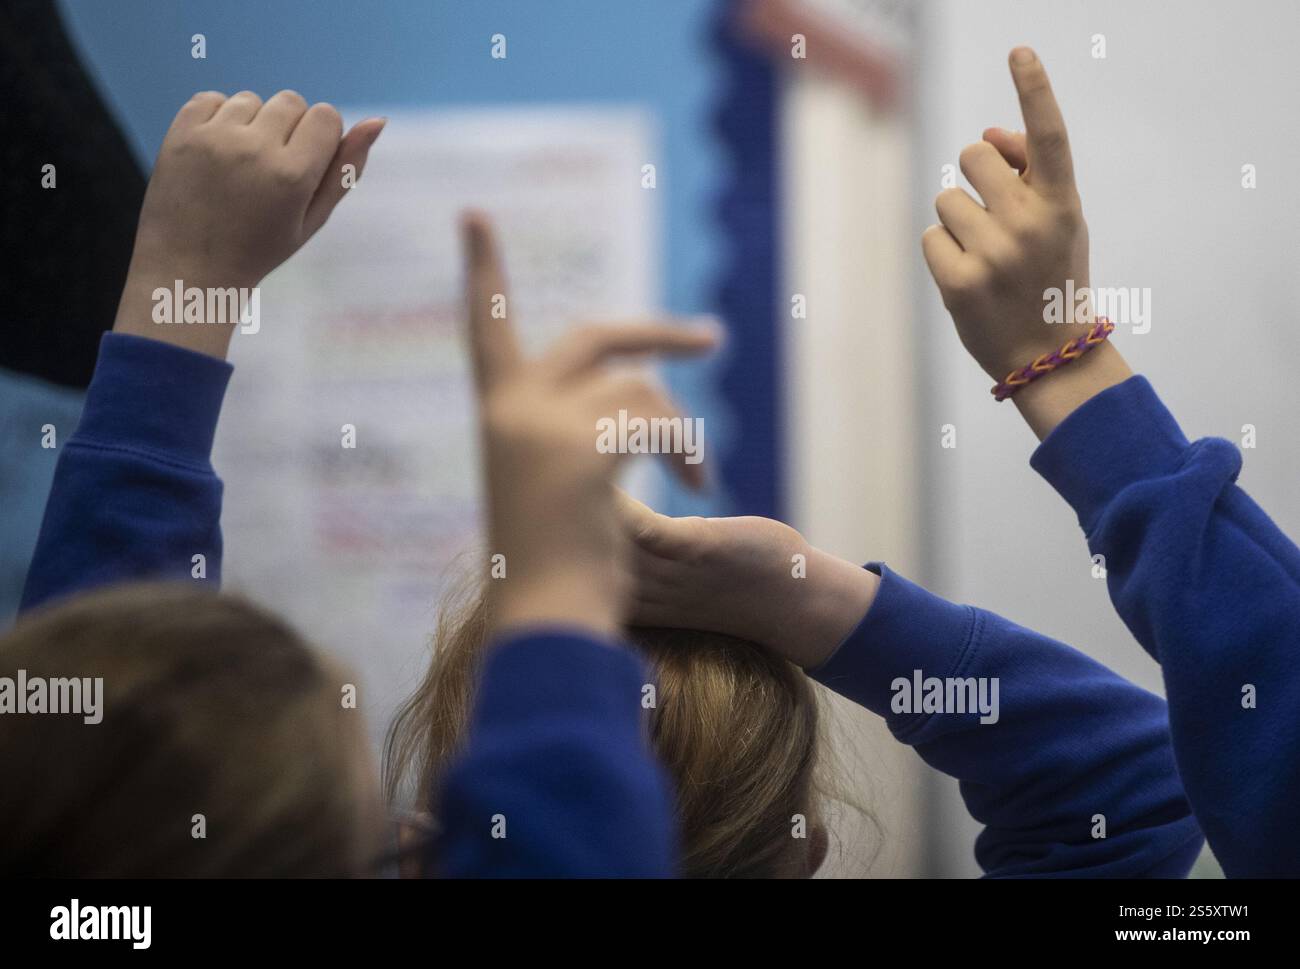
x=735, y=727
x=223, y=748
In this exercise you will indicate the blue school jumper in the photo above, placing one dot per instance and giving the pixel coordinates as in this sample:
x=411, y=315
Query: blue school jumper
x=1071, y=771
x=1211, y=589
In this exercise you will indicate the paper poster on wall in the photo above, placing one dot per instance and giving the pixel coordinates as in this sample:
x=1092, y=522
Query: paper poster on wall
x=347, y=441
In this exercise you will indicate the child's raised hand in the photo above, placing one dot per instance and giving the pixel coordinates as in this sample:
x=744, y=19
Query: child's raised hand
x=992, y=262
x=749, y=577
x=550, y=499
x=238, y=187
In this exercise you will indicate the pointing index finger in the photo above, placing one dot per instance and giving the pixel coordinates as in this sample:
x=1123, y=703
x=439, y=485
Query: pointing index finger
x=1047, y=143
x=491, y=333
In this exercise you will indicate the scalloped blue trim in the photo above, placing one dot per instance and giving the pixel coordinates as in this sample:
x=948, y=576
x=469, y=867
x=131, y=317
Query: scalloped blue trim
x=745, y=121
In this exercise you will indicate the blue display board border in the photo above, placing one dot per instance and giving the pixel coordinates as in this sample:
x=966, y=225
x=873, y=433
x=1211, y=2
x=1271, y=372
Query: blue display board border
x=748, y=214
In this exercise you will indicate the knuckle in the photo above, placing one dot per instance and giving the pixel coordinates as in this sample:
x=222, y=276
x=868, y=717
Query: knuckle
x=1068, y=216
x=289, y=175
x=1052, y=140
x=242, y=151
x=329, y=113
x=949, y=198
x=973, y=152
x=955, y=297
x=1003, y=258
x=185, y=144
x=1030, y=228
x=969, y=283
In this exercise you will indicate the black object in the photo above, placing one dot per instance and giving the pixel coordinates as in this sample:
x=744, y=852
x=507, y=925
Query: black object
x=64, y=251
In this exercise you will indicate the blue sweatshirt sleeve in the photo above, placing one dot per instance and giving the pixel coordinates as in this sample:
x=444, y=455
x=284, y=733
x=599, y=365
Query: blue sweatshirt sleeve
x=1060, y=747
x=556, y=747
x=557, y=778
x=1211, y=589
x=134, y=495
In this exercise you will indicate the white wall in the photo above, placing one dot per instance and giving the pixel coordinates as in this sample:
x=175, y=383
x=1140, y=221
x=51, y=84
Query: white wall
x=851, y=419
x=1188, y=93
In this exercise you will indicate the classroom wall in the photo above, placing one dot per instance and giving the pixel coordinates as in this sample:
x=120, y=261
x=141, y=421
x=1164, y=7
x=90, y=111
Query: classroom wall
x=1188, y=93
x=852, y=427
x=435, y=53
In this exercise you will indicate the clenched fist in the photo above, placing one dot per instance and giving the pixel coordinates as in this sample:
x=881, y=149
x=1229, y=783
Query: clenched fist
x=238, y=187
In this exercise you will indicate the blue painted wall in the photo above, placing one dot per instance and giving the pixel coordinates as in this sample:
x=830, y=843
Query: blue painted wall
x=654, y=53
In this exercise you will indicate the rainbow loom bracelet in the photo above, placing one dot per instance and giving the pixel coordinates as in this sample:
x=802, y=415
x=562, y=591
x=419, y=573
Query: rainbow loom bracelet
x=1048, y=362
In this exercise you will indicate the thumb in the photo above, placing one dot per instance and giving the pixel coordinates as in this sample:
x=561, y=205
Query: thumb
x=647, y=528
x=353, y=150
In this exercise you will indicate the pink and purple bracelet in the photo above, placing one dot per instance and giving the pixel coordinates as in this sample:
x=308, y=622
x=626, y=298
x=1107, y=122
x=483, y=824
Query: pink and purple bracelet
x=1042, y=366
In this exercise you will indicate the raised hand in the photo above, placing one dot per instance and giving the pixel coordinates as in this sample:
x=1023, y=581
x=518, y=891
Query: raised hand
x=550, y=496
x=238, y=187
x=996, y=262
x=993, y=261
x=749, y=577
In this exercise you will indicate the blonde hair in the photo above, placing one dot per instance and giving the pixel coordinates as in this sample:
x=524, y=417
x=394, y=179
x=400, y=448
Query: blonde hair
x=212, y=707
x=736, y=727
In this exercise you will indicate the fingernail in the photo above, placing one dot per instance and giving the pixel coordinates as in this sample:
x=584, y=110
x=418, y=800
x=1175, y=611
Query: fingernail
x=1023, y=56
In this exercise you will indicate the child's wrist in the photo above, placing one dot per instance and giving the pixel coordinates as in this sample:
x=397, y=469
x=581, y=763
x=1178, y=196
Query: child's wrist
x=838, y=595
x=135, y=317
x=1045, y=338
x=157, y=289
x=570, y=601
x=1046, y=402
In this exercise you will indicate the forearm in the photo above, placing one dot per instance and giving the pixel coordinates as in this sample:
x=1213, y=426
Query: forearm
x=804, y=616
x=1048, y=401
x=137, y=311
x=748, y=577
x=552, y=596
x=835, y=597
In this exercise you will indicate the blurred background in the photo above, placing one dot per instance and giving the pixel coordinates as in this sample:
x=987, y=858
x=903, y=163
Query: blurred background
x=772, y=162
